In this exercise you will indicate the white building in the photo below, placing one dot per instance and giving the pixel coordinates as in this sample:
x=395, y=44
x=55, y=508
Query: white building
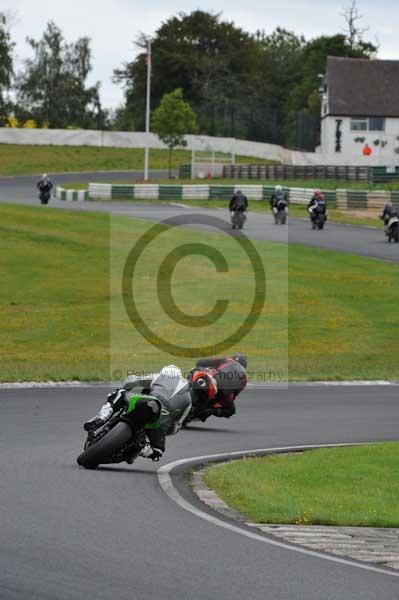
x=360, y=112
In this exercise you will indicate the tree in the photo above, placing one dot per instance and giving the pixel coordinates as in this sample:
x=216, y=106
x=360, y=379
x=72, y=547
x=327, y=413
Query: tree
x=120, y=120
x=353, y=32
x=172, y=120
x=52, y=89
x=259, y=87
x=6, y=67
x=209, y=59
x=281, y=67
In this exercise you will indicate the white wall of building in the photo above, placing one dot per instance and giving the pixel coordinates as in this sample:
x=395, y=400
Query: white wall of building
x=351, y=151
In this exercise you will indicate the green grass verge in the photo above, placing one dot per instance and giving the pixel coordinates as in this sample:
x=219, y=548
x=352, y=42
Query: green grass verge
x=56, y=305
x=21, y=160
x=344, y=486
x=337, y=216
x=55, y=297
x=342, y=316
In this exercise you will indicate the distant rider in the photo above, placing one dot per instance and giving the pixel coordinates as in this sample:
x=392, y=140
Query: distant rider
x=239, y=202
x=45, y=184
x=317, y=205
x=389, y=212
x=163, y=401
x=279, y=199
x=216, y=382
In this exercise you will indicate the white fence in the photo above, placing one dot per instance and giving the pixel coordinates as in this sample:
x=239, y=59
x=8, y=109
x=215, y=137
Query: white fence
x=124, y=139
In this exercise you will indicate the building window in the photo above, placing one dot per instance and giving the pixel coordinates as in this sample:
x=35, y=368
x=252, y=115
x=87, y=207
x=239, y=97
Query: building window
x=359, y=124
x=376, y=124
x=370, y=124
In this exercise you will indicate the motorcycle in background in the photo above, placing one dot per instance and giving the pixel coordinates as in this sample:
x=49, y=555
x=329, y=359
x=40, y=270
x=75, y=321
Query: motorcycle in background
x=44, y=196
x=238, y=218
x=392, y=228
x=280, y=212
x=318, y=217
x=200, y=403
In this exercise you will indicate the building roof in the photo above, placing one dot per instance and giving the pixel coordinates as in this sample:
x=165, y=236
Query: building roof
x=363, y=88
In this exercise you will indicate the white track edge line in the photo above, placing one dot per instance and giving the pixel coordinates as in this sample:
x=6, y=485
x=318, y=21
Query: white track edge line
x=166, y=483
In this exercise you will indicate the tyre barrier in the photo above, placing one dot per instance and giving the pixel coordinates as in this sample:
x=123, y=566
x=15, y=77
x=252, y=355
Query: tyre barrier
x=341, y=199
x=199, y=192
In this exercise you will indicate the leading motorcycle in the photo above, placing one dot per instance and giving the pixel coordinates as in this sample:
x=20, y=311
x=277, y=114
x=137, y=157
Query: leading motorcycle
x=117, y=440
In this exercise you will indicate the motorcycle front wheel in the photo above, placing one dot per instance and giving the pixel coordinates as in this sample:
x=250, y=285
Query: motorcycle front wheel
x=102, y=450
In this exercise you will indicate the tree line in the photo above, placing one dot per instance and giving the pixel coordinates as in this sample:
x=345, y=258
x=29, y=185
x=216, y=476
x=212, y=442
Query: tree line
x=262, y=87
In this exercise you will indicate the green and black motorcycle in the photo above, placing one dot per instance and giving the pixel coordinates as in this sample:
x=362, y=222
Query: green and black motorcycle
x=118, y=439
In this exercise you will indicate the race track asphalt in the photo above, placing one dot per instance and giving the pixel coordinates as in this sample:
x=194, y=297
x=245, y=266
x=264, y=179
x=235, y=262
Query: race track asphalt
x=71, y=534
x=364, y=241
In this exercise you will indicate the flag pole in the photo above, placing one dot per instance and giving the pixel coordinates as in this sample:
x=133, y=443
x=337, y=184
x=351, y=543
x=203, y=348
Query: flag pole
x=147, y=114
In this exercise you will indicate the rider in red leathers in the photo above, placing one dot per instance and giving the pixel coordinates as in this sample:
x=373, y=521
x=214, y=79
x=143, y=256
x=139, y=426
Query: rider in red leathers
x=215, y=383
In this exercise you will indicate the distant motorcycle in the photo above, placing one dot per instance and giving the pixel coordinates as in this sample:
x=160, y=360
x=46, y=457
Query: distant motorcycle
x=238, y=218
x=318, y=218
x=392, y=229
x=44, y=197
x=280, y=212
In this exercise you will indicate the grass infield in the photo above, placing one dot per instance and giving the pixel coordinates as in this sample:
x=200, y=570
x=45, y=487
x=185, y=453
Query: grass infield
x=336, y=320
x=355, y=486
x=22, y=160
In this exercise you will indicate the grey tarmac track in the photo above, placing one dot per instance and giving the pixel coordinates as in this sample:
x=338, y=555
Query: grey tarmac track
x=71, y=534
x=22, y=188
x=358, y=240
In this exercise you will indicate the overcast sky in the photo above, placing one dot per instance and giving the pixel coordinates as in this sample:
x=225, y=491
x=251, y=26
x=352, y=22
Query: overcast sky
x=114, y=24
